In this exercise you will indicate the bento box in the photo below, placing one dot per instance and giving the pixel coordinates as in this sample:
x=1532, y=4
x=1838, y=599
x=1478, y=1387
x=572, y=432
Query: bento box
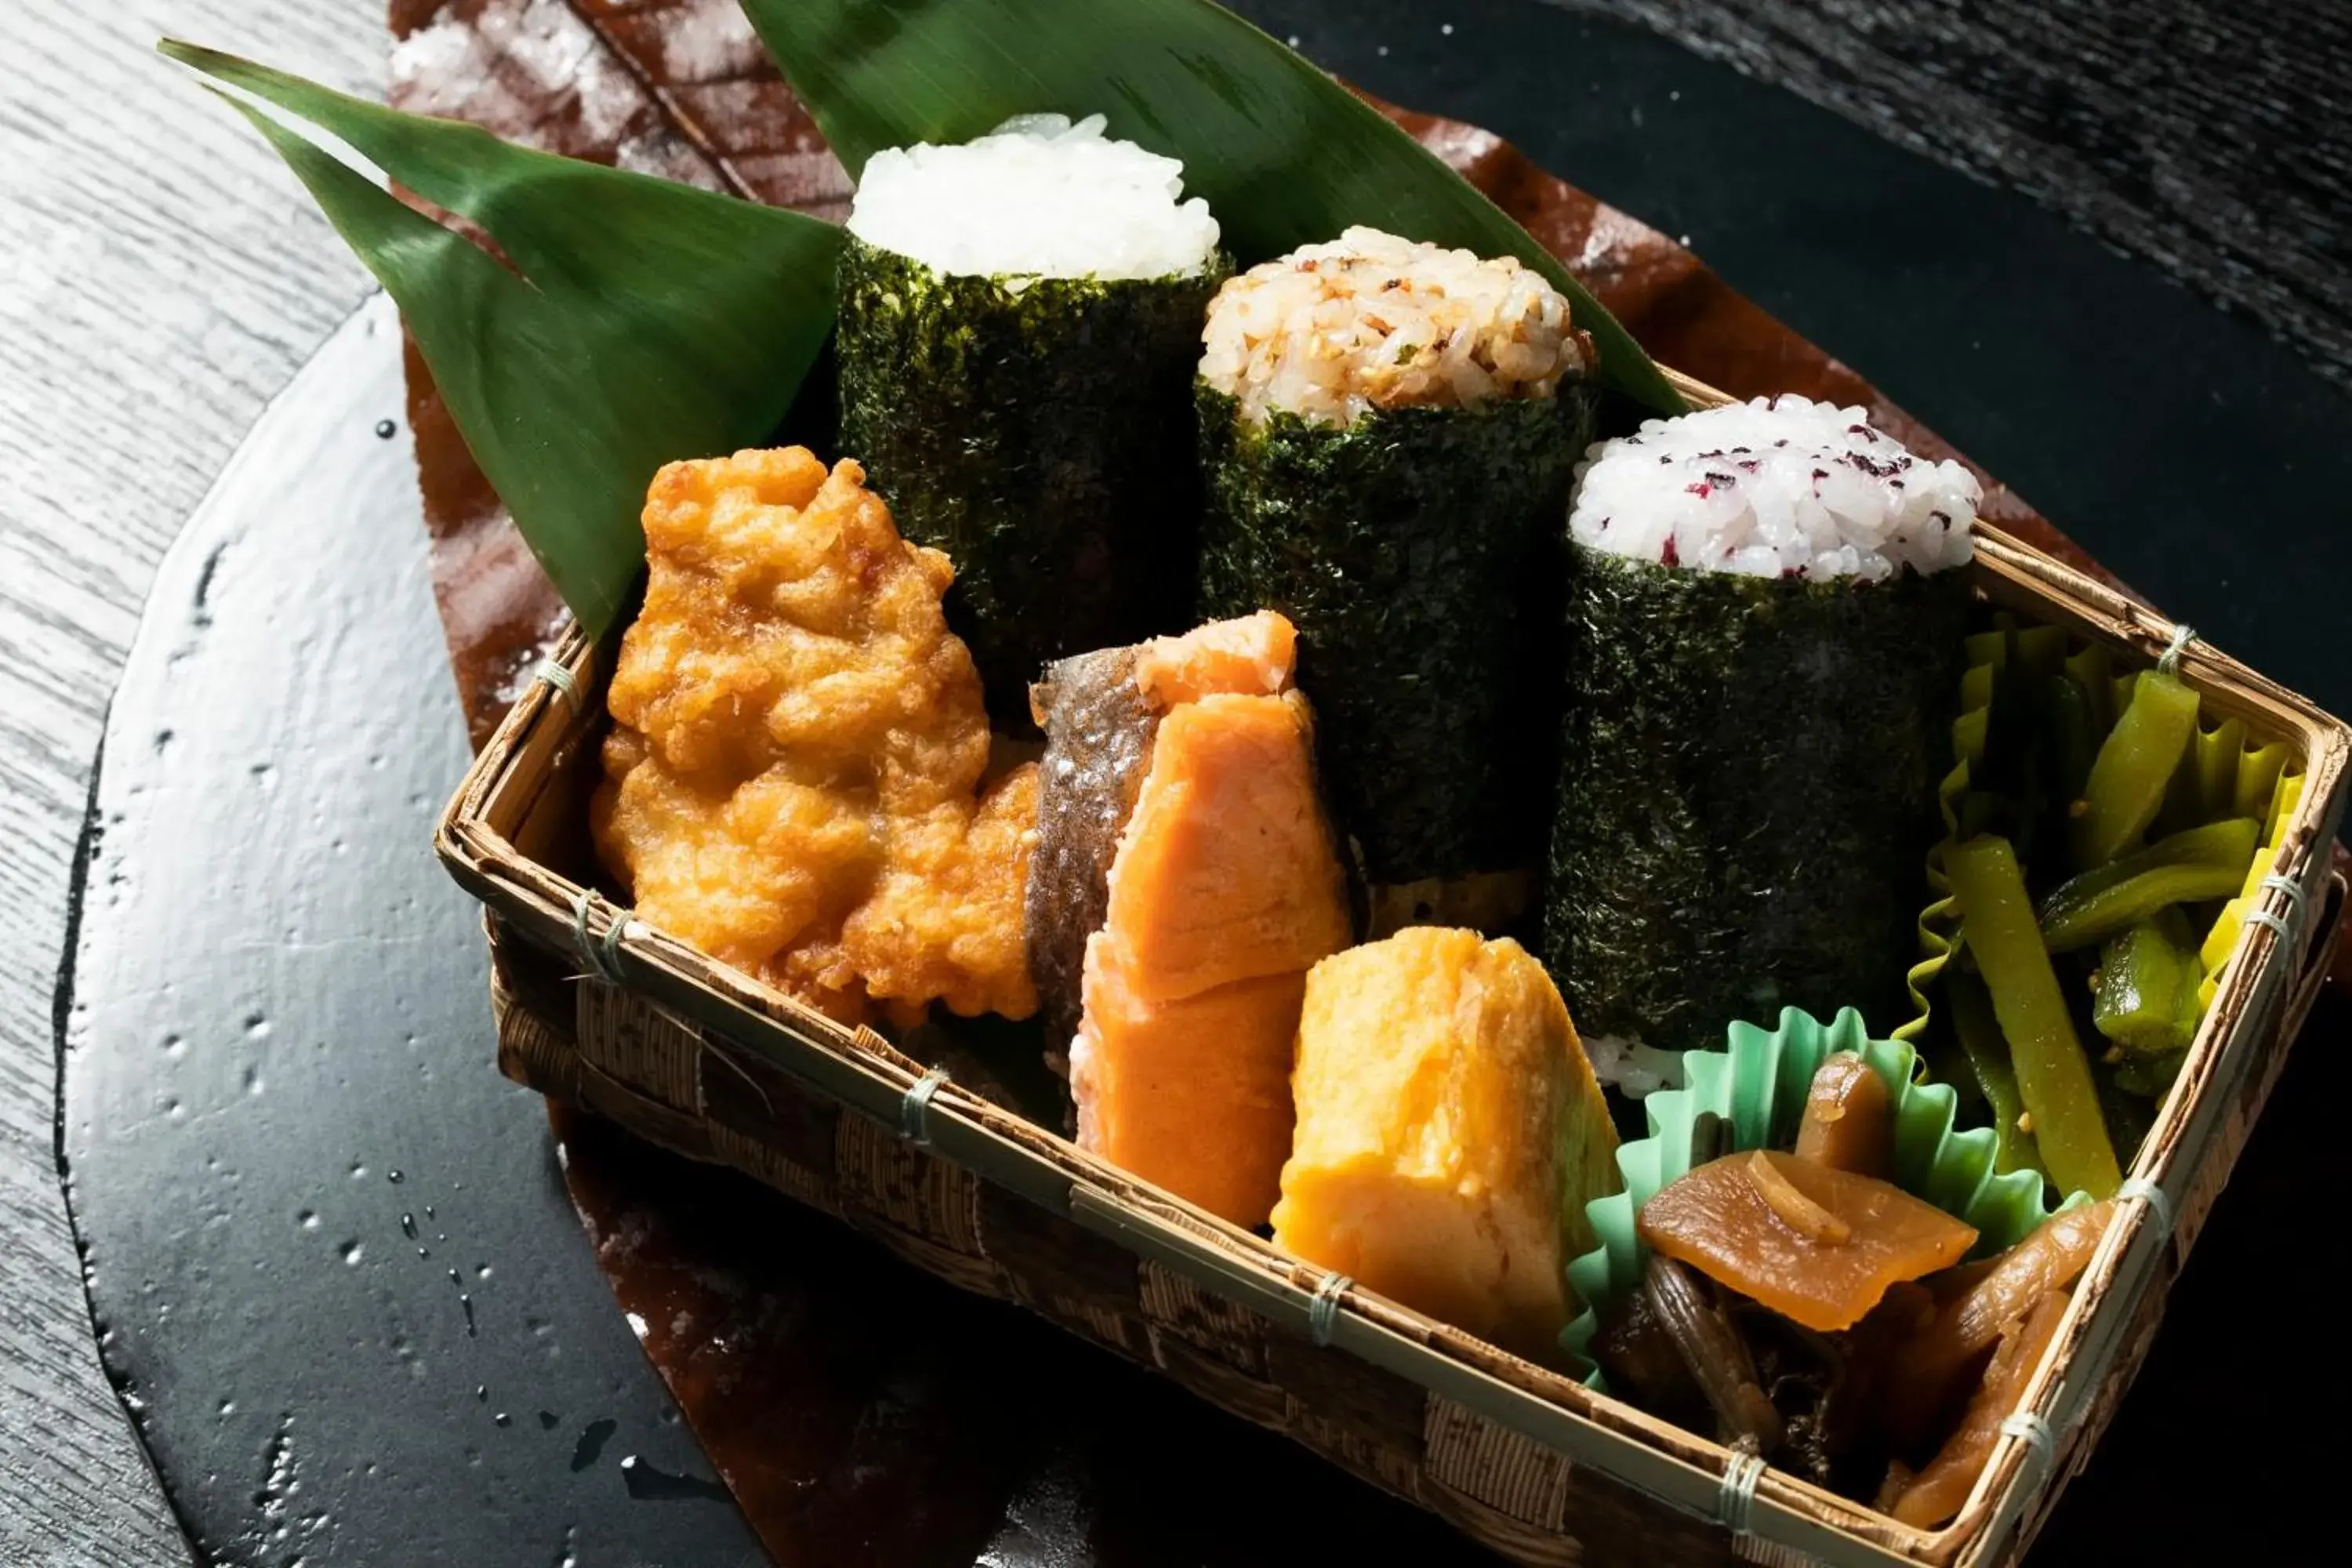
x=601, y=1010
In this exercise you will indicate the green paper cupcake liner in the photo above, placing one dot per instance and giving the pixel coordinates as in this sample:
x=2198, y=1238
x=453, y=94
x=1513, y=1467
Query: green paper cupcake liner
x=1939, y=922
x=1757, y=1089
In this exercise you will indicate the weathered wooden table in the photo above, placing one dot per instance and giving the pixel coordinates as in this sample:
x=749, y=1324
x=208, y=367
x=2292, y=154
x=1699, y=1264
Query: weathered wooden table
x=160, y=277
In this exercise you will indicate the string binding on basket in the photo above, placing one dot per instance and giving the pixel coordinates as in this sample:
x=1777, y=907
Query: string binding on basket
x=1737, y=1499
x=2286, y=887
x=2151, y=1198
x=1323, y=1308
x=915, y=1109
x=2183, y=633
x=559, y=676
x=601, y=953
x=2287, y=927
x=2041, y=1443
x=2279, y=926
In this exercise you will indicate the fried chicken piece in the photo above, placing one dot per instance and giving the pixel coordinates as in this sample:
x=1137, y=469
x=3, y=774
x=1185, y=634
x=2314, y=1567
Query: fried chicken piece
x=793, y=782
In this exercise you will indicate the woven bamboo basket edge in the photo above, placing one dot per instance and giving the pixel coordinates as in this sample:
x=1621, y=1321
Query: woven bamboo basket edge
x=2073, y=1391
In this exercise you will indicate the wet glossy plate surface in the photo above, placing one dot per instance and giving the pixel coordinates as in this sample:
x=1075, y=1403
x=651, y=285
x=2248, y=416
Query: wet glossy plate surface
x=329, y=1250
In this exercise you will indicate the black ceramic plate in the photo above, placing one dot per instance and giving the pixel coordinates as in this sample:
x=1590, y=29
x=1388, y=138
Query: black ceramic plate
x=278, y=1050
x=331, y=1260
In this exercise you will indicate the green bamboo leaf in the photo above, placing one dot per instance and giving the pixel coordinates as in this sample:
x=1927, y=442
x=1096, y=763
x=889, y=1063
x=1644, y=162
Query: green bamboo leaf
x=1285, y=155
x=640, y=321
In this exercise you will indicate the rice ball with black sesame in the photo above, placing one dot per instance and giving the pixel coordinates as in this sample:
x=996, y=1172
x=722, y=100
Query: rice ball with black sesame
x=1765, y=637
x=1781, y=486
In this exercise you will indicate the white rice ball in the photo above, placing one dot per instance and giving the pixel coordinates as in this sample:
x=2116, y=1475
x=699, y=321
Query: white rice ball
x=1039, y=198
x=1778, y=487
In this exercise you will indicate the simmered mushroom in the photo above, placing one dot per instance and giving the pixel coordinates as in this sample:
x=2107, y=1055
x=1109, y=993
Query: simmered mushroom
x=1714, y=1355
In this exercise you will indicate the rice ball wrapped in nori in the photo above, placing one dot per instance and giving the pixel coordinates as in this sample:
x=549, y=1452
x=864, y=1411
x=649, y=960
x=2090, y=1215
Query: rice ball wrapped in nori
x=1765, y=629
x=1388, y=431
x=1018, y=321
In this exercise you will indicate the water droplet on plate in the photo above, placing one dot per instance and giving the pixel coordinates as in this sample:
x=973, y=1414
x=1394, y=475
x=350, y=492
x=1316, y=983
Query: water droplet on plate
x=648, y=1484
x=591, y=1445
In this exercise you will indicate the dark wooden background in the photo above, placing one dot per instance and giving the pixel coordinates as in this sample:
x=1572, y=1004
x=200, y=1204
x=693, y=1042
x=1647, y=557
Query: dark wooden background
x=160, y=277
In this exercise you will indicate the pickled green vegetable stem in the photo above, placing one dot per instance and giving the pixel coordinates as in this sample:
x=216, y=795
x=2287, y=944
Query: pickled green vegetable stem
x=2093, y=670
x=2208, y=862
x=1988, y=1055
x=2150, y=1078
x=2148, y=986
x=2133, y=768
x=2073, y=740
x=2053, y=1076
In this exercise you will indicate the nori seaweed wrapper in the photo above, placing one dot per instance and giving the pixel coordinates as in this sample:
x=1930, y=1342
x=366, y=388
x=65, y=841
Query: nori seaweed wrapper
x=1042, y=436
x=1418, y=552
x=1098, y=733
x=1747, y=791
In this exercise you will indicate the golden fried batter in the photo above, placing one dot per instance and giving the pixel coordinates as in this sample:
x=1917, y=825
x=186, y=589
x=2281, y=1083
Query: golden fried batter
x=792, y=779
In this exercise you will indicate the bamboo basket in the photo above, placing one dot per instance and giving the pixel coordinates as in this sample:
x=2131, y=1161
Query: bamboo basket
x=599, y=1009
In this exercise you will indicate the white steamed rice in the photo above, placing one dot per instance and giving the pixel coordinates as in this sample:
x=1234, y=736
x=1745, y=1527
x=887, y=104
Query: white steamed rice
x=1038, y=196
x=1371, y=320
x=1781, y=486
x=1632, y=1068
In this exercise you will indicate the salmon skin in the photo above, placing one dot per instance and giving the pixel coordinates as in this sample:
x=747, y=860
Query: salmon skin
x=1099, y=732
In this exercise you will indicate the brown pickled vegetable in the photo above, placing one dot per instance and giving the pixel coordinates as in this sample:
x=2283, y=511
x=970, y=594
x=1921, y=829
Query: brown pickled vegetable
x=1641, y=1362
x=1798, y=1371
x=1851, y=1436
x=1848, y=1122
x=1890, y=1490
x=1959, y=1280
x=1920, y=1385
x=1795, y=1210
x=1938, y=1492
x=1716, y=1356
x=1726, y=1223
